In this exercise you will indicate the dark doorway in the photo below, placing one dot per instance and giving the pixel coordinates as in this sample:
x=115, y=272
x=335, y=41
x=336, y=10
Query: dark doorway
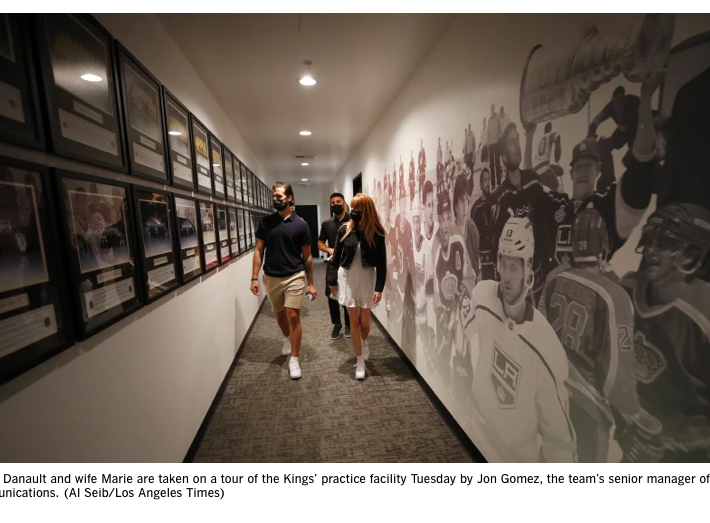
x=357, y=184
x=310, y=214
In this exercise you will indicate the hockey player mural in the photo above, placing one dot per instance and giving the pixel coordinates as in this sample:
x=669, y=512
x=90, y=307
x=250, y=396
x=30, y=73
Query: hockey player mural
x=554, y=276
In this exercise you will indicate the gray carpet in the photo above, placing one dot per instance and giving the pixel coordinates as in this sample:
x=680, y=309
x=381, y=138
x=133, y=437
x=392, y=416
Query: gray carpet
x=327, y=415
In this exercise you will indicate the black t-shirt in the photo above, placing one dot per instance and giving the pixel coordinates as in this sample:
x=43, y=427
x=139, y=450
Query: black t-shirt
x=329, y=230
x=283, y=240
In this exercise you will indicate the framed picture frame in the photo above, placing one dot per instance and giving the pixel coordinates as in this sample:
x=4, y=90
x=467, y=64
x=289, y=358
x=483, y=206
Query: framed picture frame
x=201, y=156
x=35, y=317
x=217, y=167
x=20, y=117
x=229, y=188
x=255, y=218
x=208, y=236
x=241, y=231
x=252, y=187
x=81, y=99
x=99, y=246
x=155, y=231
x=238, y=180
x=179, y=140
x=222, y=233
x=234, y=249
x=189, y=238
x=250, y=232
x=143, y=120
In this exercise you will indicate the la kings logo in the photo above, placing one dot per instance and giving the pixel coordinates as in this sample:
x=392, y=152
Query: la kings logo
x=505, y=376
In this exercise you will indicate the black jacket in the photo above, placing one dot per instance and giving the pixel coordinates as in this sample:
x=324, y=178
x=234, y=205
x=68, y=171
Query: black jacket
x=344, y=254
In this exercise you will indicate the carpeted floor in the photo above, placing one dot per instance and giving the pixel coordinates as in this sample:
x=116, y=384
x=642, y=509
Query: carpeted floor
x=327, y=415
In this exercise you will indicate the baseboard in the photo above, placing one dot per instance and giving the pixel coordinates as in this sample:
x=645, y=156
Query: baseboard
x=197, y=441
x=441, y=409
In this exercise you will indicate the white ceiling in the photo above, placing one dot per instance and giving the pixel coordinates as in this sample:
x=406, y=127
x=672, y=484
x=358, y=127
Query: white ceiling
x=252, y=62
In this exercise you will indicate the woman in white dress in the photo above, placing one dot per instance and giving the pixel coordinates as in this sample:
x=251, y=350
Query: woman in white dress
x=357, y=272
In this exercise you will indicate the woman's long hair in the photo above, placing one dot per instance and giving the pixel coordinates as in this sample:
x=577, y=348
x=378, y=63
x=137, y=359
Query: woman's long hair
x=371, y=224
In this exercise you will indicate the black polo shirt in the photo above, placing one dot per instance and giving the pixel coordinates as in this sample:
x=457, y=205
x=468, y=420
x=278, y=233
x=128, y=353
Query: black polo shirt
x=329, y=229
x=283, y=240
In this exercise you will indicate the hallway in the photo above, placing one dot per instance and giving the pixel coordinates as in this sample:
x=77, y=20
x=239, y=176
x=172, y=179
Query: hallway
x=326, y=416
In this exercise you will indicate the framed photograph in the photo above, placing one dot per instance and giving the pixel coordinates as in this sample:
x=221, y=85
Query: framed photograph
x=142, y=118
x=242, y=230
x=229, y=189
x=249, y=186
x=252, y=189
x=222, y=233
x=80, y=89
x=201, y=154
x=234, y=249
x=255, y=218
x=99, y=247
x=20, y=119
x=187, y=226
x=238, y=179
x=217, y=166
x=177, y=123
x=208, y=236
x=156, y=242
x=35, y=321
x=250, y=232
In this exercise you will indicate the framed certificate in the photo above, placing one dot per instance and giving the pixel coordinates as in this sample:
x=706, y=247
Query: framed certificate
x=233, y=232
x=177, y=123
x=35, y=318
x=223, y=233
x=80, y=89
x=156, y=242
x=217, y=166
x=208, y=235
x=201, y=154
x=187, y=228
x=143, y=118
x=229, y=189
x=20, y=120
x=238, y=179
x=97, y=223
x=242, y=230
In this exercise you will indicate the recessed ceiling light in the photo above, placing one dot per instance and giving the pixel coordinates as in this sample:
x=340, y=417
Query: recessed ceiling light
x=304, y=163
x=215, y=165
x=175, y=133
x=305, y=133
x=307, y=79
x=91, y=77
x=304, y=179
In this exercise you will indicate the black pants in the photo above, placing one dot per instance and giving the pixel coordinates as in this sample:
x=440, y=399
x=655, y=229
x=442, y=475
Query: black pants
x=334, y=307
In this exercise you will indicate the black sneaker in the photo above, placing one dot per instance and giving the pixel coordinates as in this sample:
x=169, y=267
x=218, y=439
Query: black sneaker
x=336, y=332
x=347, y=331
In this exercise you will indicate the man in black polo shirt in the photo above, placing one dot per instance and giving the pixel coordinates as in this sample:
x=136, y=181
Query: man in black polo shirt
x=287, y=241
x=329, y=233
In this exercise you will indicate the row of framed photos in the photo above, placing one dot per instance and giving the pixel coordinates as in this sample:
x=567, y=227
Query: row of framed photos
x=78, y=253
x=101, y=106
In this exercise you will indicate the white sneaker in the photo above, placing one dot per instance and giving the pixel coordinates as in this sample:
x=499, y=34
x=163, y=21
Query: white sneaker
x=365, y=350
x=360, y=370
x=294, y=369
x=286, y=348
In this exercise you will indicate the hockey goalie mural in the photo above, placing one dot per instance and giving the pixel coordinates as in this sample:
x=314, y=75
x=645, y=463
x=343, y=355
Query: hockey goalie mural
x=549, y=280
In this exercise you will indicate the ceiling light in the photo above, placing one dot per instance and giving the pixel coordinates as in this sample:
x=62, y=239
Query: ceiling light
x=305, y=133
x=307, y=79
x=304, y=163
x=91, y=77
x=215, y=165
x=175, y=133
x=304, y=179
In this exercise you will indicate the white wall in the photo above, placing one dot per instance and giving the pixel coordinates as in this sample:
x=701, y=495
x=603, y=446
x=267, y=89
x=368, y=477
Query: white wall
x=138, y=391
x=479, y=61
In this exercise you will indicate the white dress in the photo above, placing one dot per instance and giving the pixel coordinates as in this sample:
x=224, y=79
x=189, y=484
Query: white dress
x=356, y=285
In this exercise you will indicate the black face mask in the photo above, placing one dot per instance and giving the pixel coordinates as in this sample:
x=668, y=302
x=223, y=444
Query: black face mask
x=355, y=215
x=336, y=209
x=280, y=205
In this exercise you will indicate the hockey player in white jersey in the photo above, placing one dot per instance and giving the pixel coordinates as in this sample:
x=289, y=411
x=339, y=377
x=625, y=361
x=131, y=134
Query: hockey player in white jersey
x=519, y=365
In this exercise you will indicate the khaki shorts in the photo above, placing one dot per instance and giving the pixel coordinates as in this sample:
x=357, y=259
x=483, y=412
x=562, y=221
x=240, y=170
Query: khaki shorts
x=285, y=292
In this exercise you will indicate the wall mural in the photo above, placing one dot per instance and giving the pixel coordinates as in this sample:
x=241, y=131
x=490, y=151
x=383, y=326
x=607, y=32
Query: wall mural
x=503, y=287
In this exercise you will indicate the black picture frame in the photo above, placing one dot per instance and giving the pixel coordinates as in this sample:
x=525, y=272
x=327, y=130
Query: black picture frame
x=255, y=218
x=238, y=180
x=35, y=317
x=177, y=120
x=232, y=216
x=229, y=187
x=201, y=157
x=222, y=221
x=83, y=123
x=250, y=231
x=249, y=200
x=252, y=184
x=97, y=215
x=189, y=238
x=209, y=250
x=143, y=120
x=158, y=261
x=20, y=116
x=217, y=166
x=242, y=231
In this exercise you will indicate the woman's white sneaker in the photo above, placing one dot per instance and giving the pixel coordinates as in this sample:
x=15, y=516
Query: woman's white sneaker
x=360, y=370
x=294, y=369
